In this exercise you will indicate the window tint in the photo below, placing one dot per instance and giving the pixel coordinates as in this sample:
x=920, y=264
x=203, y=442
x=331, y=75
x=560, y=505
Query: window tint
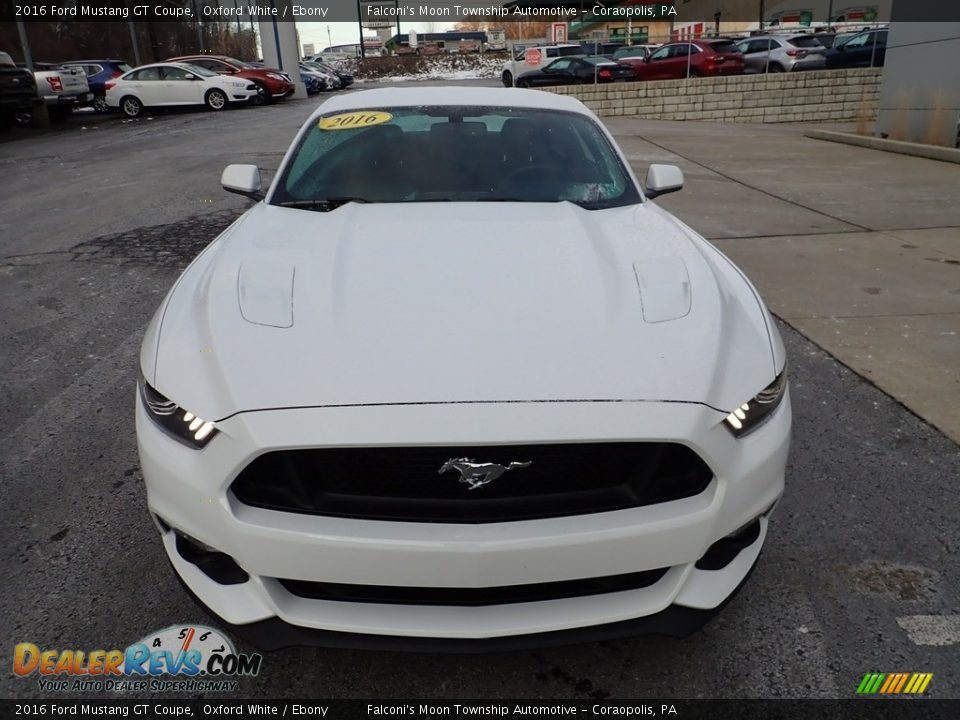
x=201, y=71
x=805, y=41
x=208, y=64
x=552, y=52
x=174, y=73
x=859, y=41
x=5, y=59
x=572, y=50
x=660, y=54
x=724, y=46
x=467, y=154
x=149, y=73
x=562, y=64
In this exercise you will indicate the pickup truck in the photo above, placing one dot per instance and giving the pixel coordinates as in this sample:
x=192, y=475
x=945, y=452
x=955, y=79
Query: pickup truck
x=62, y=89
x=535, y=58
x=18, y=92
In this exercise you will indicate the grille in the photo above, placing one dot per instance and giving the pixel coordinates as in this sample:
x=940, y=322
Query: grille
x=404, y=483
x=499, y=595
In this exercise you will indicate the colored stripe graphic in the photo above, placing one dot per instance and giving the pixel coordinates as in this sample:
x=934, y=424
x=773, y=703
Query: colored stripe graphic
x=894, y=683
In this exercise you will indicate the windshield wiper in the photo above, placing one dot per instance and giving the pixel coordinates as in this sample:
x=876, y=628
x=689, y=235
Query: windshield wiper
x=322, y=204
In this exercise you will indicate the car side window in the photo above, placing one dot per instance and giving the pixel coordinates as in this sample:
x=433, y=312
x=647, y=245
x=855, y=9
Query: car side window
x=561, y=65
x=661, y=54
x=859, y=41
x=552, y=52
x=208, y=64
x=680, y=50
x=174, y=73
x=150, y=73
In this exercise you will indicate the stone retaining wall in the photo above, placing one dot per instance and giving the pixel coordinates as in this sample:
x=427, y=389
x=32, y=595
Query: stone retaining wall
x=820, y=95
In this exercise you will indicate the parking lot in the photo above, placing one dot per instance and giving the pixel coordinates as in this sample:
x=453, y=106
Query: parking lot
x=100, y=219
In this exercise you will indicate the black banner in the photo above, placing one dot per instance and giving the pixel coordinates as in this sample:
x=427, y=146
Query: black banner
x=814, y=12
x=859, y=709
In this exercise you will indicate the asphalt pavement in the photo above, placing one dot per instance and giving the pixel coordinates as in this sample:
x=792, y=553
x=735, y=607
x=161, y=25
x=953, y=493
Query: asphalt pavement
x=96, y=226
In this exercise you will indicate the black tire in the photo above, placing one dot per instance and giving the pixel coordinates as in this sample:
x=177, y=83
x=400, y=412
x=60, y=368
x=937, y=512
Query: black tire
x=131, y=107
x=262, y=97
x=695, y=73
x=216, y=100
x=521, y=83
x=775, y=68
x=100, y=104
x=23, y=118
x=507, y=78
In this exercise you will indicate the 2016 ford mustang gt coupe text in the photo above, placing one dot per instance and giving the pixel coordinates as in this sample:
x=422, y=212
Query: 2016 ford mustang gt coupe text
x=455, y=382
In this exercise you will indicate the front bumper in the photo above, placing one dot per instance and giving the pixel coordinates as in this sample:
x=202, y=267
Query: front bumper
x=188, y=490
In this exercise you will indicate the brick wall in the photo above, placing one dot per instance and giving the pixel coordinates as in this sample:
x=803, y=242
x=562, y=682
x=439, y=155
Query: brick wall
x=819, y=95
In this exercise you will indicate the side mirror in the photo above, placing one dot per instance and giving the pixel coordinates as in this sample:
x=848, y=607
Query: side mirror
x=662, y=179
x=242, y=180
x=188, y=76
x=646, y=58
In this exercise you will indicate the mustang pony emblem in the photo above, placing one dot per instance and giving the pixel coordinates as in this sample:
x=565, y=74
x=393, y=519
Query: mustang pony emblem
x=477, y=474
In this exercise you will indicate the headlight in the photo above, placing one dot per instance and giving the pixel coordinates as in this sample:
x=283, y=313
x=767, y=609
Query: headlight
x=751, y=414
x=275, y=76
x=182, y=424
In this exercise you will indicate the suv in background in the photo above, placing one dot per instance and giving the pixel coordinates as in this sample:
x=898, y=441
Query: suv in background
x=18, y=92
x=98, y=72
x=866, y=49
x=637, y=51
x=272, y=84
x=698, y=58
x=783, y=53
x=535, y=58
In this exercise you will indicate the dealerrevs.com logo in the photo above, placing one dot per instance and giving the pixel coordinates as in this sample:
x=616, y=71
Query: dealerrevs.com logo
x=197, y=658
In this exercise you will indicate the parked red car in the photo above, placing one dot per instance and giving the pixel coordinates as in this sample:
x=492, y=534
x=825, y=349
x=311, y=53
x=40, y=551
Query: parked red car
x=271, y=83
x=703, y=57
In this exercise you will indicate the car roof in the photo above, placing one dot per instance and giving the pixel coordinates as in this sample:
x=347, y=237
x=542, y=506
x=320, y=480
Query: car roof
x=215, y=57
x=164, y=63
x=447, y=96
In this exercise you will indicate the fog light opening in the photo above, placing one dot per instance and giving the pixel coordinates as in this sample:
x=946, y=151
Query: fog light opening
x=723, y=552
x=218, y=566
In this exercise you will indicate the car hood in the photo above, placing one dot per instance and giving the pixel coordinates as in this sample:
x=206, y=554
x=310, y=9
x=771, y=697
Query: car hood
x=457, y=302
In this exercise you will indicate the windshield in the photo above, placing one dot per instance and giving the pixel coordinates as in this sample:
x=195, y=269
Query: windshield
x=6, y=59
x=240, y=64
x=424, y=154
x=201, y=71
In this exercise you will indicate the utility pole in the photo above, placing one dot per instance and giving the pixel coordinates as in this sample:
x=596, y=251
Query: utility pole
x=27, y=57
x=363, y=50
x=136, y=45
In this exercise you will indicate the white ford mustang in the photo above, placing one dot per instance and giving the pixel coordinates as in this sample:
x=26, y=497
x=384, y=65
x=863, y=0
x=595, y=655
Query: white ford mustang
x=456, y=383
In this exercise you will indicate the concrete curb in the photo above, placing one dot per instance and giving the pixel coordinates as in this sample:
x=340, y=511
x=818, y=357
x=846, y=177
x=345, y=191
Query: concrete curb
x=933, y=152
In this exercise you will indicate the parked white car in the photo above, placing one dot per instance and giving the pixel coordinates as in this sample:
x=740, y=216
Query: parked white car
x=172, y=84
x=455, y=381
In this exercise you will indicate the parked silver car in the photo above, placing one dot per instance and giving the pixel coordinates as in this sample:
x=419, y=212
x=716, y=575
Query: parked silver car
x=782, y=53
